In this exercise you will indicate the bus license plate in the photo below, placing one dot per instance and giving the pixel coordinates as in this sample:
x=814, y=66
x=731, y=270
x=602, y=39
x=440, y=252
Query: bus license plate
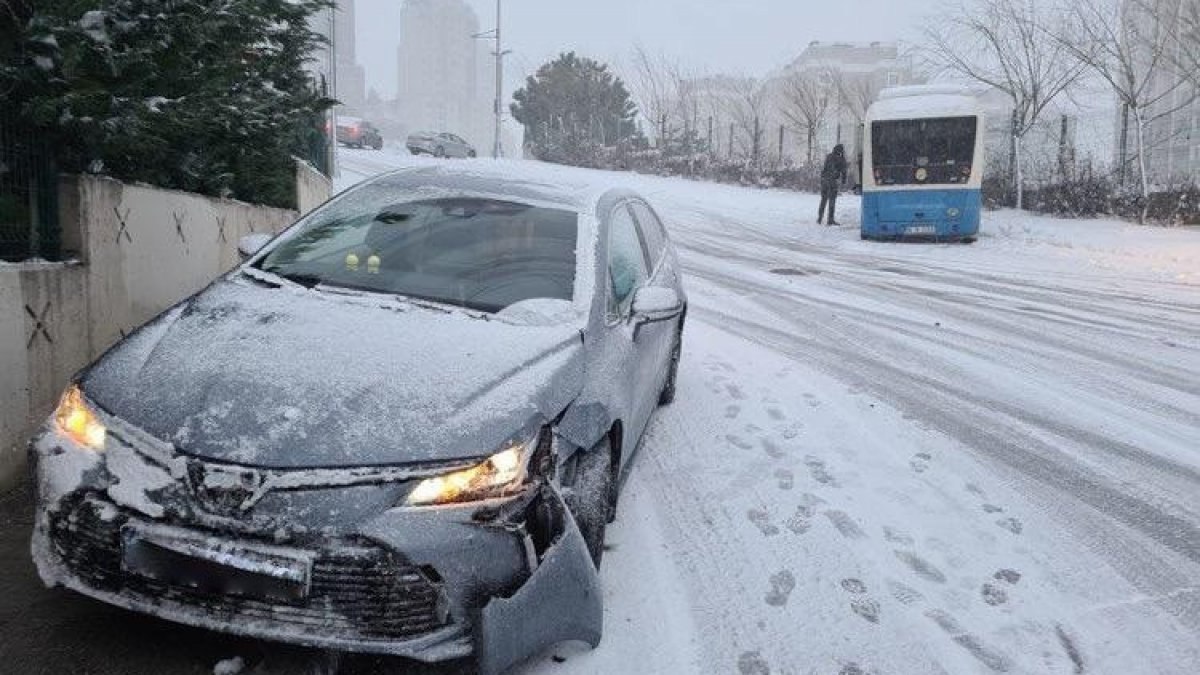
x=920, y=229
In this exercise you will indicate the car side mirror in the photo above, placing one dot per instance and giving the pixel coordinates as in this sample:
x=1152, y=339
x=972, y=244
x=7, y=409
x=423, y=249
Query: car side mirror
x=251, y=244
x=654, y=304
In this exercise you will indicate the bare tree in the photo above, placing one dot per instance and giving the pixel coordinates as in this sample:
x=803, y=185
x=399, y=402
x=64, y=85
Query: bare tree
x=1187, y=53
x=1005, y=44
x=747, y=109
x=805, y=97
x=858, y=93
x=1130, y=45
x=655, y=85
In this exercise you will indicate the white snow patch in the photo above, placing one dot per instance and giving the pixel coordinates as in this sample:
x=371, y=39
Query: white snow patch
x=94, y=24
x=231, y=666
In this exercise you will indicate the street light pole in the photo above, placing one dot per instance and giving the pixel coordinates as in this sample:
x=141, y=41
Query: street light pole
x=498, y=148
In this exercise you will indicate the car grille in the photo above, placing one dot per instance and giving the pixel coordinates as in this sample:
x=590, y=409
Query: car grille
x=363, y=593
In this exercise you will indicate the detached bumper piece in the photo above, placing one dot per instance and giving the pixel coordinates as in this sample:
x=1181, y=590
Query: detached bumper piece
x=359, y=598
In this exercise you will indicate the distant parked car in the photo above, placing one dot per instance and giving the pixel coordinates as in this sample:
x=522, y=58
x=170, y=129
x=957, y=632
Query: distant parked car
x=439, y=145
x=358, y=133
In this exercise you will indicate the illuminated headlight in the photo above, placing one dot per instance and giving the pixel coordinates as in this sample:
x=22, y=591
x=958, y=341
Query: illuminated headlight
x=78, y=422
x=500, y=475
x=952, y=212
x=921, y=174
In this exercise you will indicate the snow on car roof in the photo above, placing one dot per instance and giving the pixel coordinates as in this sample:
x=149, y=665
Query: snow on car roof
x=516, y=180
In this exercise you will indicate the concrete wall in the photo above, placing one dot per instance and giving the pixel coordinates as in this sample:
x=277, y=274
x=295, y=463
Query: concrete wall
x=313, y=188
x=139, y=250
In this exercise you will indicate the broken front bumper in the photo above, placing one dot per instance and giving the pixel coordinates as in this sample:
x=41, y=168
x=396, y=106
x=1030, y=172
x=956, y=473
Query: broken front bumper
x=500, y=581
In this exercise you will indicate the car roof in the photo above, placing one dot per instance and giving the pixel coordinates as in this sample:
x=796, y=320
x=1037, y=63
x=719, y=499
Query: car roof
x=519, y=181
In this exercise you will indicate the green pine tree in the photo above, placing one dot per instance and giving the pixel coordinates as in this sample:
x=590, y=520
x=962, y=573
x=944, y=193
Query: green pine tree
x=573, y=109
x=208, y=96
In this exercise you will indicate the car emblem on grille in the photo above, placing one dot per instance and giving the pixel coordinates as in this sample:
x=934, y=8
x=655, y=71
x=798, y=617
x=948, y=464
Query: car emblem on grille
x=226, y=491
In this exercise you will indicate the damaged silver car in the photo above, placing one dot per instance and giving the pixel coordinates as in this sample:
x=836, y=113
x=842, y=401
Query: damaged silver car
x=398, y=428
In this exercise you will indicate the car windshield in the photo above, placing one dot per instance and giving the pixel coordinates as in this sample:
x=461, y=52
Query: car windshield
x=482, y=254
x=942, y=147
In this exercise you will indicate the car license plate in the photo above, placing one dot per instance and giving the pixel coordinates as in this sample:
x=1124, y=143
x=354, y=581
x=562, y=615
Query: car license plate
x=213, y=565
x=920, y=229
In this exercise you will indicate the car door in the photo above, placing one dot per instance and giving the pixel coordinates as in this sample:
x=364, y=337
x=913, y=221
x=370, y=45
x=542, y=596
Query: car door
x=658, y=338
x=628, y=270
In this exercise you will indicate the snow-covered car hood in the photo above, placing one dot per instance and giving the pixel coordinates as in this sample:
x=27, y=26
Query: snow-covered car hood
x=290, y=378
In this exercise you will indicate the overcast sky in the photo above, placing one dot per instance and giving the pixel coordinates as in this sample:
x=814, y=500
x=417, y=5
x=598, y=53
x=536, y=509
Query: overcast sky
x=749, y=37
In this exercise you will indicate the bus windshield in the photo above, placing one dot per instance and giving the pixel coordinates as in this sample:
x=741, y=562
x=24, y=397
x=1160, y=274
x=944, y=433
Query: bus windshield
x=923, y=151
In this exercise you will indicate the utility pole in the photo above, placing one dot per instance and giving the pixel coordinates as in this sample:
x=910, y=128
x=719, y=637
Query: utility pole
x=498, y=104
x=333, y=117
x=498, y=148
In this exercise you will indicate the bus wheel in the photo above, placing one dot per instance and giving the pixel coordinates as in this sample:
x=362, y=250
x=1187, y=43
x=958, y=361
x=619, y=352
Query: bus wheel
x=968, y=240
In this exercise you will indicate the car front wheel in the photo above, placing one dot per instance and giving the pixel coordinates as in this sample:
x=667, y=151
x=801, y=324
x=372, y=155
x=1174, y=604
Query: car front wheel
x=591, y=497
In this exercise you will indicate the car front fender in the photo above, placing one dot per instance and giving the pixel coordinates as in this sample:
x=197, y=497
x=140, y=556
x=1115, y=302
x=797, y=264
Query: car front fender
x=560, y=601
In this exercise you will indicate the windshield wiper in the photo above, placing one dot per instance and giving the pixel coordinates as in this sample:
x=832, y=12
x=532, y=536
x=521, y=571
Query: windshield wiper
x=305, y=280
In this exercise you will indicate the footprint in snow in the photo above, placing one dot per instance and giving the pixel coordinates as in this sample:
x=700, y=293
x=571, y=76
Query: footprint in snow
x=920, y=462
x=752, y=663
x=732, y=411
x=845, y=525
x=819, y=472
x=776, y=414
x=801, y=520
x=992, y=508
x=975, y=490
x=792, y=430
x=970, y=642
x=854, y=586
x=905, y=594
x=861, y=604
x=771, y=448
x=813, y=401
x=852, y=668
x=738, y=442
x=762, y=520
x=1007, y=576
x=1011, y=524
x=920, y=566
x=993, y=594
x=787, y=480
x=735, y=392
x=782, y=585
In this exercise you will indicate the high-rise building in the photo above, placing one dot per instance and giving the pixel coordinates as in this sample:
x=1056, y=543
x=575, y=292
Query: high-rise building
x=441, y=87
x=351, y=78
x=1172, y=134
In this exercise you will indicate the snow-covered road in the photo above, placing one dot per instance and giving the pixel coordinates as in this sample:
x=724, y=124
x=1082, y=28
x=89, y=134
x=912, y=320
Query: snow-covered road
x=908, y=458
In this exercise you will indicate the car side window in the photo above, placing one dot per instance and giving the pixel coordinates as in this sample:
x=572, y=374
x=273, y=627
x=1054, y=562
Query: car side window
x=652, y=229
x=627, y=268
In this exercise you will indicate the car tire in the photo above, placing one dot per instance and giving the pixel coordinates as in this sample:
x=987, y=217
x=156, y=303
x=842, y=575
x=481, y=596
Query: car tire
x=667, y=395
x=439, y=152
x=471, y=154
x=591, y=497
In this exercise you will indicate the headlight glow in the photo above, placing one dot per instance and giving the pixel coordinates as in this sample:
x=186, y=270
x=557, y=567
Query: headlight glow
x=77, y=421
x=495, y=477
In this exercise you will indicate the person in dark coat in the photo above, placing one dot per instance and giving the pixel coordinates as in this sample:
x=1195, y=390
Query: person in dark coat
x=833, y=173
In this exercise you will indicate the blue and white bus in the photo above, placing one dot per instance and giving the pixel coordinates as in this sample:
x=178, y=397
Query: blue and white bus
x=923, y=165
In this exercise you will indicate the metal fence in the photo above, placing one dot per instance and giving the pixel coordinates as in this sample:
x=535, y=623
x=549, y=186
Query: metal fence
x=29, y=224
